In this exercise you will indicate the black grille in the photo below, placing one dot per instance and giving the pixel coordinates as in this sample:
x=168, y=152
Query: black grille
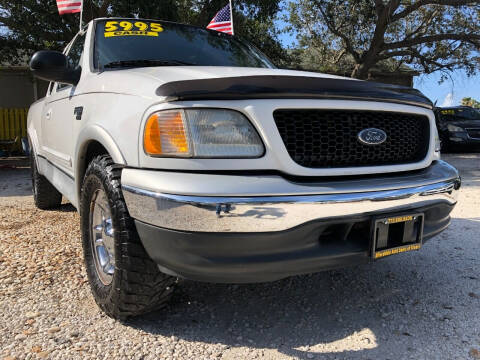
x=329, y=138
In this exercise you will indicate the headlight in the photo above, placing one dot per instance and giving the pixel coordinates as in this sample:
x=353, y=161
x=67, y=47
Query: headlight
x=201, y=133
x=454, y=128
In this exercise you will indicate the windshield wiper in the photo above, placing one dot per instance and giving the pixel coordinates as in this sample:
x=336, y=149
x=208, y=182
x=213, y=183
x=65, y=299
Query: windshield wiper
x=143, y=63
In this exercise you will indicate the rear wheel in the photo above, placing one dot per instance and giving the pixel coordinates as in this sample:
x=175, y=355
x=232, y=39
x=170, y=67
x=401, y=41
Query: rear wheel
x=123, y=279
x=45, y=195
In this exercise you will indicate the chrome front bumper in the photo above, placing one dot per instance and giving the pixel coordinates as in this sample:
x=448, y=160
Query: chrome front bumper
x=276, y=211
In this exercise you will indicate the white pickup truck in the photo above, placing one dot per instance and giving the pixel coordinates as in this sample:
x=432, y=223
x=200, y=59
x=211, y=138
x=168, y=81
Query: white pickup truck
x=189, y=155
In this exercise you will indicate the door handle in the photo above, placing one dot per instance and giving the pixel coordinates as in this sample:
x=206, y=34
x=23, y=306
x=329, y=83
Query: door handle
x=48, y=115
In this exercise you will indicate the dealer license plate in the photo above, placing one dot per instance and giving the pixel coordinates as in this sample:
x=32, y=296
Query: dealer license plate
x=397, y=234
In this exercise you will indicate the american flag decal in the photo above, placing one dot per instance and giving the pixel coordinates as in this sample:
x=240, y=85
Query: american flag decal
x=69, y=6
x=222, y=21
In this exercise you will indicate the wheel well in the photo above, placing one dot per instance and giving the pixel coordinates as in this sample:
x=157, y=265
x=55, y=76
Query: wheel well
x=89, y=148
x=92, y=150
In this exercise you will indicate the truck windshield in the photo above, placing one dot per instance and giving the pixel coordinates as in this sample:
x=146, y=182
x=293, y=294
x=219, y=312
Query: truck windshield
x=141, y=43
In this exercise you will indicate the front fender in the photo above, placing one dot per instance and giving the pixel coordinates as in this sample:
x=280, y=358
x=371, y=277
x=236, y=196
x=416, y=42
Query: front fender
x=99, y=134
x=86, y=136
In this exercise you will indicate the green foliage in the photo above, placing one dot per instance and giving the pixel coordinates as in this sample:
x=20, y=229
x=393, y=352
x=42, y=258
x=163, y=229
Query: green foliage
x=468, y=101
x=357, y=35
x=30, y=25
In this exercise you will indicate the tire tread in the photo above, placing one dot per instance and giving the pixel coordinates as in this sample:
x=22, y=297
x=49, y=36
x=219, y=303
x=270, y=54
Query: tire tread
x=45, y=195
x=139, y=286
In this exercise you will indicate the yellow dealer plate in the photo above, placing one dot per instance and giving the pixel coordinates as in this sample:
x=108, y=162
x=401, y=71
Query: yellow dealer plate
x=397, y=234
x=397, y=250
x=398, y=219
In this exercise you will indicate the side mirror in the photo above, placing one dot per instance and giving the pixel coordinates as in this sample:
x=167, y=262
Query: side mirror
x=53, y=66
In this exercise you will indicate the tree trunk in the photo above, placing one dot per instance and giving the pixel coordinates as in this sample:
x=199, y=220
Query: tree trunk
x=369, y=58
x=361, y=71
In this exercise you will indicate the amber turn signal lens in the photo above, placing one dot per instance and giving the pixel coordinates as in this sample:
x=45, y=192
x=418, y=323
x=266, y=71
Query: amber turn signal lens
x=165, y=134
x=151, y=138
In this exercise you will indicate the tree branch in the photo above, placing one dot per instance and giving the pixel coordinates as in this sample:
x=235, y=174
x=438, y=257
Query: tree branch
x=379, y=7
x=425, y=61
x=392, y=7
x=104, y=8
x=471, y=38
x=417, y=5
x=6, y=21
x=346, y=40
x=390, y=54
x=340, y=55
x=424, y=25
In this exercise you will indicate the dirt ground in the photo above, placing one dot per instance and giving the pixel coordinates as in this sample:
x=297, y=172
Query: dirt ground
x=422, y=305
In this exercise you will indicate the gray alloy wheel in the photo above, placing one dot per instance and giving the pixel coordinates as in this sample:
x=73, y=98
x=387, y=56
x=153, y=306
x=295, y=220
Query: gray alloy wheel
x=101, y=237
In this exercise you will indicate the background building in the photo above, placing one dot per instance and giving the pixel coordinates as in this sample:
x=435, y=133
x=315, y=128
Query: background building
x=18, y=90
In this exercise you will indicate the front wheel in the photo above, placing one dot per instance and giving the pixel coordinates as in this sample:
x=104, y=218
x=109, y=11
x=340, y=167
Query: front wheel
x=123, y=279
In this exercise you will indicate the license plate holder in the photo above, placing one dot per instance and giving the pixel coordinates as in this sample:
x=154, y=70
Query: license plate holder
x=397, y=234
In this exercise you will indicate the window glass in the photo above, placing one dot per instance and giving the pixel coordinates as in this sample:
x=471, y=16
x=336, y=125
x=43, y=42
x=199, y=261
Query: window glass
x=128, y=42
x=76, y=50
x=74, y=56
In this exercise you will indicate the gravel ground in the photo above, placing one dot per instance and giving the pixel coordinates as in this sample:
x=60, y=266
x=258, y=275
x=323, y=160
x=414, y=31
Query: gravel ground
x=422, y=305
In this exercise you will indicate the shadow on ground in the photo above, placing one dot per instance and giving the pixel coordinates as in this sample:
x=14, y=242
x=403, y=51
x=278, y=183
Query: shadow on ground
x=65, y=207
x=401, y=302
x=15, y=182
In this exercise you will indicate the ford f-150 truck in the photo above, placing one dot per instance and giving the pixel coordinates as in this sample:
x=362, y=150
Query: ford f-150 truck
x=189, y=155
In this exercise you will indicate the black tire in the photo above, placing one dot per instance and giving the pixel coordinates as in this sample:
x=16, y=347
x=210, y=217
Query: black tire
x=137, y=286
x=44, y=193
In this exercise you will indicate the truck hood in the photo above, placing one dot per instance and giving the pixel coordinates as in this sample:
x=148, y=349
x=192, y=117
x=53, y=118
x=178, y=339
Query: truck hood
x=145, y=81
x=172, y=83
x=166, y=74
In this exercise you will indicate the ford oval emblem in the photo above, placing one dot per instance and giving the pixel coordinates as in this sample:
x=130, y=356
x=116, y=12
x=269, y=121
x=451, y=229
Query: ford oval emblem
x=372, y=136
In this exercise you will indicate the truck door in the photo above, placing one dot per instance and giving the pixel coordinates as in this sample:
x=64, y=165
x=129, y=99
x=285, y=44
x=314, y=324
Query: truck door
x=58, y=114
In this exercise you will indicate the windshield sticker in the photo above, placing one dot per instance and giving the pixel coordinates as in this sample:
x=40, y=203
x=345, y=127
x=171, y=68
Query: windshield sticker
x=448, y=112
x=129, y=28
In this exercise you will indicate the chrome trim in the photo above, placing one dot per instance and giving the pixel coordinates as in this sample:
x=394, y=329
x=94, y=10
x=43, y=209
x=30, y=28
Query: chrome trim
x=275, y=213
x=368, y=132
x=254, y=185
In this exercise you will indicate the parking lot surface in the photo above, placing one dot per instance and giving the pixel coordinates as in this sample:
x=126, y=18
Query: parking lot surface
x=421, y=305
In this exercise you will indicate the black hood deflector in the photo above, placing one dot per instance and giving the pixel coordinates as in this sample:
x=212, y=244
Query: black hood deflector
x=290, y=87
